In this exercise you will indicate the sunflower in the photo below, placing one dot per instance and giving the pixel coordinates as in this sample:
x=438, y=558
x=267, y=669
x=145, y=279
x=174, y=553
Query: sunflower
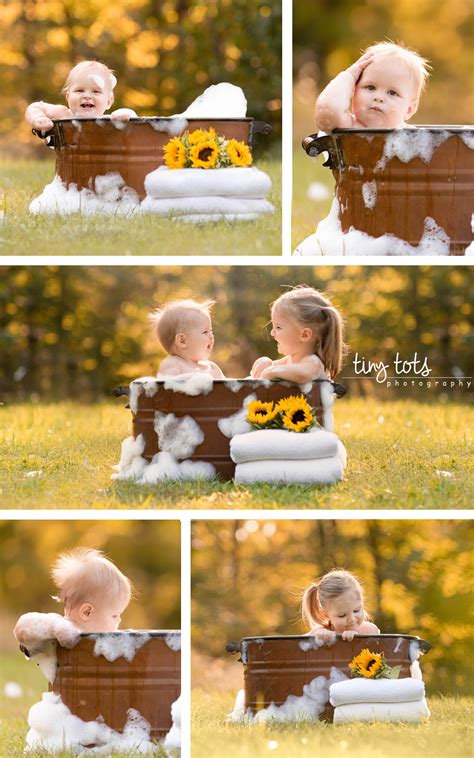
x=368, y=665
x=239, y=153
x=296, y=413
x=260, y=414
x=204, y=154
x=201, y=135
x=175, y=153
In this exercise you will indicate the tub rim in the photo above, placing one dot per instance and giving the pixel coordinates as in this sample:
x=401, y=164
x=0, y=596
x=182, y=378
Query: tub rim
x=234, y=647
x=156, y=633
x=430, y=127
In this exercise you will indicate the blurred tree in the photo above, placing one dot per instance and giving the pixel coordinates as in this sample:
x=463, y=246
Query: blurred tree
x=148, y=552
x=79, y=331
x=164, y=53
x=248, y=577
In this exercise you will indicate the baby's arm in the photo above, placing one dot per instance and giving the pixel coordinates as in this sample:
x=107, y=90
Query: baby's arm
x=333, y=106
x=367, y=627
x=216, y=371
x=307, y=370
x=32, y=628
x=123, y=114
x=169, y=367
x=39, y=115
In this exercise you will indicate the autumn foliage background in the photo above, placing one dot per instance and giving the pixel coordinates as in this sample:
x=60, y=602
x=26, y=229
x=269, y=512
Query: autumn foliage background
x=164, y=54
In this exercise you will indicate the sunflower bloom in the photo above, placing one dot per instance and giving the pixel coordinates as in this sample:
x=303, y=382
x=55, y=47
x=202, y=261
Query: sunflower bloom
x=204, y=154
x=260, y=414
x=297, y=415
x=368, y=665
x=175, y=153
x=239, y=153
x=201, y=135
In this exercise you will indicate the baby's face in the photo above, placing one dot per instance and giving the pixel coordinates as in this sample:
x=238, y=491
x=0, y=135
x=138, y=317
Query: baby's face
x=384, y=96
x=286, y=332
x=89, y=95
x=102, y=615
x=346, y=611
x=199, y=337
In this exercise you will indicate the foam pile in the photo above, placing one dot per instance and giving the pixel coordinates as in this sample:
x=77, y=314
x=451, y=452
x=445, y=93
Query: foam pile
x=111, y=197
x=173, y=738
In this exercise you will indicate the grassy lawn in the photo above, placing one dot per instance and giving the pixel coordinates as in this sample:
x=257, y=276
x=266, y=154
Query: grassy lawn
x=24, y=234
x=448, y=734
x=14, y=711
x=307, y=213
x=401, y=454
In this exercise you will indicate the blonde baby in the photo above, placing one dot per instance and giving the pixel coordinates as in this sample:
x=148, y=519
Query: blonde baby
x=184, y=329
x=335, y=604
x=308, y=331
x=381, y=90
x=94, y=592
x=89, y=93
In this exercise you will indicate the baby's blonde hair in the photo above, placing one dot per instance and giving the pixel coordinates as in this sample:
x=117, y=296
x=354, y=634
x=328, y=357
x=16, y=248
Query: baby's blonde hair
x=175, y=317
x=329, y=586
x=82, y=68
x=419, y=67
x=309, y=307
x=85, y=574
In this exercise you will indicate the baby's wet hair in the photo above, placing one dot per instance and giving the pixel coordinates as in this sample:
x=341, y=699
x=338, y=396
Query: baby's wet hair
x=418, y=66
x=329, y=586
x=84, y=67
x=309, y=307
x=84, y=574
x=175, y=316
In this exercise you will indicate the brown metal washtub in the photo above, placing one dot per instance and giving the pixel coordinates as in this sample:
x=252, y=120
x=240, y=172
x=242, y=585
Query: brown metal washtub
x=206, y=410
x=91, y=686
x=406, y=192
x=86, y=148
x=278, y=666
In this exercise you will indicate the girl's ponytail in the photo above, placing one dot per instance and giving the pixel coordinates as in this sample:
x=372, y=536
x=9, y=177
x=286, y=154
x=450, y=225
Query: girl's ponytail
x=331, y=346
x=311, y=611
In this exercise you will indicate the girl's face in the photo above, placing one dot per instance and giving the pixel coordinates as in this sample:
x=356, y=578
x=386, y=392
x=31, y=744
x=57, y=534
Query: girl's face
x=346, y=611
x=287, y=333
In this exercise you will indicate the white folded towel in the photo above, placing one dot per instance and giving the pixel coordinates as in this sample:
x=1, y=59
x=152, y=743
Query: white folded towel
x=178, y=206
x=412, y=712
x=378, y=691
x=222, y=182
x=310, y=471
x=276, y=444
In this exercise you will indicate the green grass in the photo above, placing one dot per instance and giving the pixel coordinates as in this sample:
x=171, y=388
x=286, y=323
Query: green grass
x=395, y=450
x=24, y=234
x=14, y=711
x=448, y=734
x=306, y=213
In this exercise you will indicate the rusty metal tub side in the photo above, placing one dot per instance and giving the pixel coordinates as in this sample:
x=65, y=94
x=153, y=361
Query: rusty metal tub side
x=407, y=192
x=277, y=666
x=92, y=686
x=88, y=148
x=206, y=410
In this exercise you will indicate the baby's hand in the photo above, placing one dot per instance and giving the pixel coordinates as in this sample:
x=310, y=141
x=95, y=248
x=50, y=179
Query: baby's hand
x=66, y=633
x=349, y=635
x=123, y=114
x=259, y=366
x=358, y=67
x=42, y=123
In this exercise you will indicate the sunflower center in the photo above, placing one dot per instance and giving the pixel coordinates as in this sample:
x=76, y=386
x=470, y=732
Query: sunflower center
x=260, y=412
x=298, y=416
x=372, y=662
x=205, y=153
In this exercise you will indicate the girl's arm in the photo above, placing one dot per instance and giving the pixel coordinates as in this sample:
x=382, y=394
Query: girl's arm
x=217, y=372
x=307, y=370
x=333, y=106
x=367, y=627
x=39, y=115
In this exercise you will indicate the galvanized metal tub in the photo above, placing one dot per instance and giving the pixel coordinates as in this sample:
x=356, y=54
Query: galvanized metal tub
x=87, y=148
x=436, y=182
x=276, y=667
x=92, y=686
x=223, y=401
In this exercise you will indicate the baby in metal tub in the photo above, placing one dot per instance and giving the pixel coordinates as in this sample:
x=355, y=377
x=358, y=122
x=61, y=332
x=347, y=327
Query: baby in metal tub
x=335, y=604
x=184, y=329
x=88, y=92
x=381, y=90
x=308, y=331
x=94, y=592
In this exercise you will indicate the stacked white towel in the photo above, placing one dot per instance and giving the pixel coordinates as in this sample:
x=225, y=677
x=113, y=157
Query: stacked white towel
x=379, y=700
x=208, y=194
x=277, y=455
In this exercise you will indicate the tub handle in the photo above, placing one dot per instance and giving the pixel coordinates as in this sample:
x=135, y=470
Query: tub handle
x=233, y=647
x=259, y=127
x=48, y=136
x=121, y=392
x=25, y=651
x=327, y=143
x=339, y=389
x=425, y=646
